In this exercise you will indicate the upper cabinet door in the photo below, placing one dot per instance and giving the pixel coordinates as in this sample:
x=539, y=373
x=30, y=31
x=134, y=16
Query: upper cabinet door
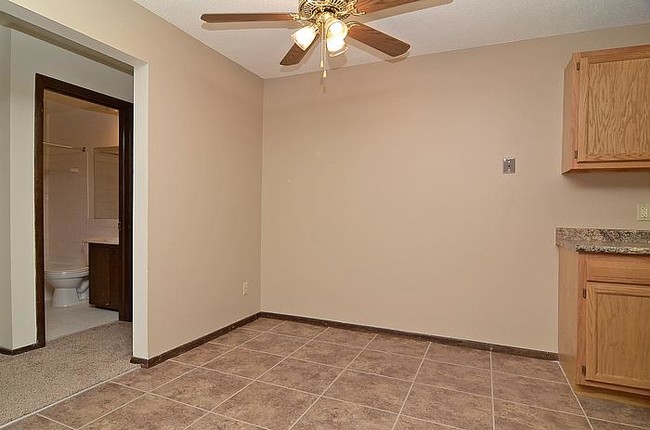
x=607, y=110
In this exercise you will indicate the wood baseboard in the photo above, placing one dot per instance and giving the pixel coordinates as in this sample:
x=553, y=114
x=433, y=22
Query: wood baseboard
x=512, y=350
x=6, y=351
x=150, y=362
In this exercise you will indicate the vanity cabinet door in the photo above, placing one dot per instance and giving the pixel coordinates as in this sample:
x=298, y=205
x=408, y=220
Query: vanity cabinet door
x=115, y=277
x=105, y=276
x=617, y=336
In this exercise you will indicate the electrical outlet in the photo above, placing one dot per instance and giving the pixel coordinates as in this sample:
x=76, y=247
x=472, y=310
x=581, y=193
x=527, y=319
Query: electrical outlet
x=643, y=212
x=244, y=289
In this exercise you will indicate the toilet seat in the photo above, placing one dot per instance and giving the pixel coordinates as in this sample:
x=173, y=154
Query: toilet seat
x=66, y=270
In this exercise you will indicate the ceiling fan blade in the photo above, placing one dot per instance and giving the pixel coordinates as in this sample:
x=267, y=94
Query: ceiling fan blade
x=370, y=6
x=378, y=40
x=213, y=18
x=296, y=54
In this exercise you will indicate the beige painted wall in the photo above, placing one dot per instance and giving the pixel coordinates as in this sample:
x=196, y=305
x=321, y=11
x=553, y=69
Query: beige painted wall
x=5, y=255
x=383, y=202
x=198, y=184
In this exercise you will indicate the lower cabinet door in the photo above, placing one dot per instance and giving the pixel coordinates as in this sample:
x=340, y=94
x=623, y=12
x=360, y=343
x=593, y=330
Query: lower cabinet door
x=99, y=267
x=105, y=263
x=617, y=337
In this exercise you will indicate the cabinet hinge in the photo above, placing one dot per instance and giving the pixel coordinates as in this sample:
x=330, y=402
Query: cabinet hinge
x=575, y=154
x=584, y=370
x=584, y=293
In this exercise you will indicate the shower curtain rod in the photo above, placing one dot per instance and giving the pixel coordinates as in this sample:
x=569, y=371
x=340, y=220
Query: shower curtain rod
x=59, y=145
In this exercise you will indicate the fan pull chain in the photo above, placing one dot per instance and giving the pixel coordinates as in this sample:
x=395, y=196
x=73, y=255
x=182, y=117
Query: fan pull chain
x=323, y=53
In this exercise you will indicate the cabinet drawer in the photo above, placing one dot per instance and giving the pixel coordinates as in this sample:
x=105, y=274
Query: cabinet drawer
x=626, y=269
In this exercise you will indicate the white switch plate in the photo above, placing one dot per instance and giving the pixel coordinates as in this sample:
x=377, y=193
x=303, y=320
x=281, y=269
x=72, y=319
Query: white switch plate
x=244, y=289
x=642, y=212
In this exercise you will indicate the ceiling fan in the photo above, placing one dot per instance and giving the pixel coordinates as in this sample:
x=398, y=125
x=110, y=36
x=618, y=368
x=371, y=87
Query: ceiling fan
x=325, y=20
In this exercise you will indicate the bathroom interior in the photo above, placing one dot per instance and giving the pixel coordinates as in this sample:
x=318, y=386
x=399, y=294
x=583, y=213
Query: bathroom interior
x=81, y=207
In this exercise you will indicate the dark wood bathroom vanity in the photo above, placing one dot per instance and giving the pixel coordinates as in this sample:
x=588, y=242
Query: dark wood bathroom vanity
x=105, y=266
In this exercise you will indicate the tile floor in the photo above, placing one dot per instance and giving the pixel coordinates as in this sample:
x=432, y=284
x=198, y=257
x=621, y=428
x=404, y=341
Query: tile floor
x=63, y=321
x=275, y=374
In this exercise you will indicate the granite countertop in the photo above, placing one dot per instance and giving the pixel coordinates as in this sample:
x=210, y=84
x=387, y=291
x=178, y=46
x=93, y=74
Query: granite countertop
x=610, y=241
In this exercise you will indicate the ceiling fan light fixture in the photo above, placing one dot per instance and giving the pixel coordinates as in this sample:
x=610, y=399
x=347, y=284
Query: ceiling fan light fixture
x=336, y=29
x=336, y=46
x=305, y=36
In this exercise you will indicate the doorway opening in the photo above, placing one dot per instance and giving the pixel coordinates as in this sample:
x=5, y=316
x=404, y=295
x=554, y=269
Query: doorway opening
x=83, y=208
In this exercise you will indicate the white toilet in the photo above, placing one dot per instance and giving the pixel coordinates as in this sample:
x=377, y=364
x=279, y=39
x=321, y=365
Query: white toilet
x=70, y=284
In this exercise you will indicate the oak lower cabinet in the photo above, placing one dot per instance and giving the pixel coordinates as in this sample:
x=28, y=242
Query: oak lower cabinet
x=607, y=110
x=105, y=266
x=604, y=321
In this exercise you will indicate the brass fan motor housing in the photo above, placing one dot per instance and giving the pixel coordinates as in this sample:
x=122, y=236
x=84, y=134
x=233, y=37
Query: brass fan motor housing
x=309, y=10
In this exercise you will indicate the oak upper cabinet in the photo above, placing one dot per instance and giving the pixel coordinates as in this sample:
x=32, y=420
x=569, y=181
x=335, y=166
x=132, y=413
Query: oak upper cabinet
x=605, y=321
x=607, y=110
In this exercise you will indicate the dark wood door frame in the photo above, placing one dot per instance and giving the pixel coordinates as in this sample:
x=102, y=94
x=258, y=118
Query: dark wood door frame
x=125, y=110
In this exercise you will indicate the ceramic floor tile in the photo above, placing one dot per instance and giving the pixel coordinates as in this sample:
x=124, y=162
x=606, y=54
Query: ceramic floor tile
x=606, y=425
x=345, y=337
x=154, y=377
x=387, y=364
x=263, y=324
x=275, y=343
x=202, y=354
x=370, y=390
x=236, y=337
x=511, y=416
x=293, y=328
x=459, y=355
x=268, y=406
x=215, y=422
x=535, y=392
x=202, y=388
x=327, y=353
x=301, y=375
x=408, y=423
x=148, y=412
x=616, y=412
x=399, y=345
x=328, y=414
x=439, y=405
x=525, y=366
x=468, y=379
x=243, y=362
x=33, y=422
x=90, y=405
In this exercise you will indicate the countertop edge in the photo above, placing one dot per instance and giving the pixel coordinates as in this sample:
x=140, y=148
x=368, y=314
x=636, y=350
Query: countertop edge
x=607, y=241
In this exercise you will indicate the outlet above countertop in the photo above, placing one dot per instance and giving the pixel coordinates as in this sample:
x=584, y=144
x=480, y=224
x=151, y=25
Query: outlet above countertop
x=103, y=240
x=609, y=241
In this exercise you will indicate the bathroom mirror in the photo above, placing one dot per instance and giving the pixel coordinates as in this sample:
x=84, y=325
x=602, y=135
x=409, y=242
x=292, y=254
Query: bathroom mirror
x=106, y=182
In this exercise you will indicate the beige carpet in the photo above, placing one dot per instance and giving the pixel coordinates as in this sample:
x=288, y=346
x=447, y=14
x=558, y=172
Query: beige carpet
x=67, y=365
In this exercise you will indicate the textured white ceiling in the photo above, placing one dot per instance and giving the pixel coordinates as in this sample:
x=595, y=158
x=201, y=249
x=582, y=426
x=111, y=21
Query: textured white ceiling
x=457, y=25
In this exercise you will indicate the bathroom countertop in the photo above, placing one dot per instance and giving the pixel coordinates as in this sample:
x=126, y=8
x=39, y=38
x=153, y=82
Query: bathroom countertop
x=104, y=240
x=610, y=241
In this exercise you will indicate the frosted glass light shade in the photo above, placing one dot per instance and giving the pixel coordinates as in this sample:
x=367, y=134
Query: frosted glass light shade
x=305, y=36
x=336, y=29
x=336, y=46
